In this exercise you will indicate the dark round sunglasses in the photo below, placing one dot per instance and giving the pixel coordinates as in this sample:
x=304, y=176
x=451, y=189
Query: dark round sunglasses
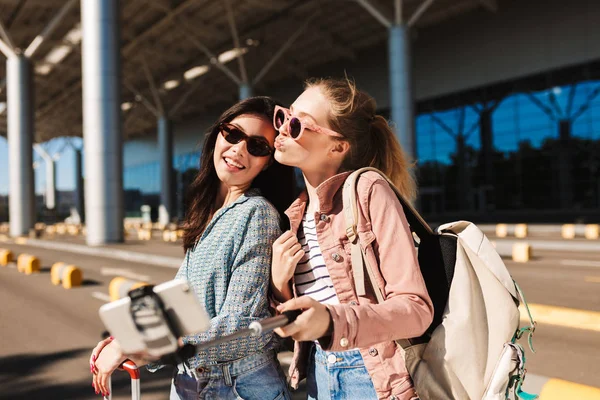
x=256, y=145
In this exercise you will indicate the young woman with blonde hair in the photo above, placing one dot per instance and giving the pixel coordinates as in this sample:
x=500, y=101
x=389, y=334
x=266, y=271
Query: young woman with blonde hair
x=345, y=342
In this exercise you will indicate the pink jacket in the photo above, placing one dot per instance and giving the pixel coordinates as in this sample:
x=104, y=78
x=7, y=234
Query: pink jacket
x=359, y=322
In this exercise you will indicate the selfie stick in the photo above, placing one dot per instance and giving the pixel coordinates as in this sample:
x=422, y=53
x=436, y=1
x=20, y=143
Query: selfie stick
x=256, y=328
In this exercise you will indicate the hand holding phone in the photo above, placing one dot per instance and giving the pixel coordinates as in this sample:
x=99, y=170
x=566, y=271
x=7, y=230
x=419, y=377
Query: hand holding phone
x=151, y=323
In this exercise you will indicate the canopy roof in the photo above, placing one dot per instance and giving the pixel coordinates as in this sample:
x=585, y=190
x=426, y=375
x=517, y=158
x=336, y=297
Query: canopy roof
x=161, y=40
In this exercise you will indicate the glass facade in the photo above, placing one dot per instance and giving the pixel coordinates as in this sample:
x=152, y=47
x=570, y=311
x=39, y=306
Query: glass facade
x=142, y=183
x=544, y=153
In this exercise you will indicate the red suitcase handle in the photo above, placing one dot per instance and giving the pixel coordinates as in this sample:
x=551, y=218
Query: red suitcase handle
x=134, y=374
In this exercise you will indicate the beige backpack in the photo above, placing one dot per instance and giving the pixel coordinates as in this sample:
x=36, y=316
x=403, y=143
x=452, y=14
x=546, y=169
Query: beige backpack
x=470, y=351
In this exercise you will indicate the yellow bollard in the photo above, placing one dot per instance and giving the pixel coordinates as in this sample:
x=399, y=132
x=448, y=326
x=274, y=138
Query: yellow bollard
x=72, y=277
x=113, y=288
x=61, y=229
x=521, y=231
x=119, y=287
x=28, y=264
x=50, y=230
x=68, y=275
x=592, y=231
x=521, y=252
x=6, y=256
x=501, y=230
x=568, y=231
x=56, y=272
x=144, y=234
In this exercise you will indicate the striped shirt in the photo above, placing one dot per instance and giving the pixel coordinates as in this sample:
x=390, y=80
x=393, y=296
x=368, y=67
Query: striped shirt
x=312, y=277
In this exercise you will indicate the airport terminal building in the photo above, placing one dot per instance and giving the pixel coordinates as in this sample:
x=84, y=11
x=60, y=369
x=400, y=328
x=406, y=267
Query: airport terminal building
x=498, y=101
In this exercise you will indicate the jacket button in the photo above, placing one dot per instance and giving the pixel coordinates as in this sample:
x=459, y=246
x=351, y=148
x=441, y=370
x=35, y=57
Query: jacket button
x=344, y=342
x=200, y=370
x=336, y=257
x=373, y=352
x=324, y=218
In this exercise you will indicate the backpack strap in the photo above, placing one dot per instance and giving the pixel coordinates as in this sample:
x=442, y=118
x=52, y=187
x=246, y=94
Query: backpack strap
x=351, y=216
x=526, y=329
x=359, y=261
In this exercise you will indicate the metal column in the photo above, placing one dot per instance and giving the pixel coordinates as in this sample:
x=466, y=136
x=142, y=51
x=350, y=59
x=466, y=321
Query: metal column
x=401, y=96
x=102, y=121
x=50, y=184
x=245, y=91
x=50, y=192
x=565, y=174
x=20, y=141
x=165, y=145
x=79, y=202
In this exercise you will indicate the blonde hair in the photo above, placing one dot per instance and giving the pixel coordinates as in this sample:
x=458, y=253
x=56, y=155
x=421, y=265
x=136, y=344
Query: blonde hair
x=372, y=140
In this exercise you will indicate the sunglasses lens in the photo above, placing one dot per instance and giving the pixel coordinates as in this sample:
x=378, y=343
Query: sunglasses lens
x=295, y=127
x=258, y=148
x=232, y=135
x=279, y=119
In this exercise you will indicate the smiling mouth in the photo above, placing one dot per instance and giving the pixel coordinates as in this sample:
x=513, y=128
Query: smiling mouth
x=232, y=163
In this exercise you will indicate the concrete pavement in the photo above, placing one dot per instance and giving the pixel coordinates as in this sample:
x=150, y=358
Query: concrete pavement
x=47, y=332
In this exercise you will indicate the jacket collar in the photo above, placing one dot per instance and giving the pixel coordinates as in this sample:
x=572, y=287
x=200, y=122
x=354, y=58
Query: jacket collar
x=326, y=192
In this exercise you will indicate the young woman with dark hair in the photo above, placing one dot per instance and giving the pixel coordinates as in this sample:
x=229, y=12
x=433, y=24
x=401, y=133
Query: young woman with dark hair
x=232, y=221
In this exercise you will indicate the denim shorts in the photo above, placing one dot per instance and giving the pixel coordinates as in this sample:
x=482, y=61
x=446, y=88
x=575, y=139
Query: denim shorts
x=255, y=377
x=334, y=375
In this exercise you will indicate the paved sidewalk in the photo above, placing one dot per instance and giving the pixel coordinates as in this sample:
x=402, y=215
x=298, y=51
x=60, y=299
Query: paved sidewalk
x=153, y=252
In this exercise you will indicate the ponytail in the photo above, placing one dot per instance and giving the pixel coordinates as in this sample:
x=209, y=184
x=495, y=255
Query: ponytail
x=389, y=158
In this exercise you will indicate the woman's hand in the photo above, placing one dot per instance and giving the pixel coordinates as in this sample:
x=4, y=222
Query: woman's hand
x=96, y=352
x=312, y=324
x=287, y=252
x=109, y=359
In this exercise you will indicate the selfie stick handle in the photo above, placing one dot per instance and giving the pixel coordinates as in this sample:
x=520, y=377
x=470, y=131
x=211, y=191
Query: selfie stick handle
x=256, y=328
x=268, y=324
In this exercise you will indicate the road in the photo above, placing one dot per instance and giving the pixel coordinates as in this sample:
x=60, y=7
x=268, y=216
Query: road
x=47, y=332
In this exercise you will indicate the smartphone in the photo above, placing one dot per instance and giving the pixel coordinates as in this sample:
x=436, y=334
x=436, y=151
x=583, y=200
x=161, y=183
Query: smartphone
x=147, y=331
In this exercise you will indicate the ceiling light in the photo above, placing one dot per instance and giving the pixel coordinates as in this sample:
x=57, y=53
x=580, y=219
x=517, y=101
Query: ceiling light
x=195, y=72
x=57, y=54
x=252, y=42
x=74, y=35
x=2, y=107
x=229, y=55
x=43, y=69
x=172, y=84
x=126, y=106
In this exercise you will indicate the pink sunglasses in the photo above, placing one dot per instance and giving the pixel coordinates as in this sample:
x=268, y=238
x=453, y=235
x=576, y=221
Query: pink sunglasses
x=297, y=126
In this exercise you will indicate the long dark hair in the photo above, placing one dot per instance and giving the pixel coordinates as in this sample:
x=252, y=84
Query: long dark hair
x=276, y=183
